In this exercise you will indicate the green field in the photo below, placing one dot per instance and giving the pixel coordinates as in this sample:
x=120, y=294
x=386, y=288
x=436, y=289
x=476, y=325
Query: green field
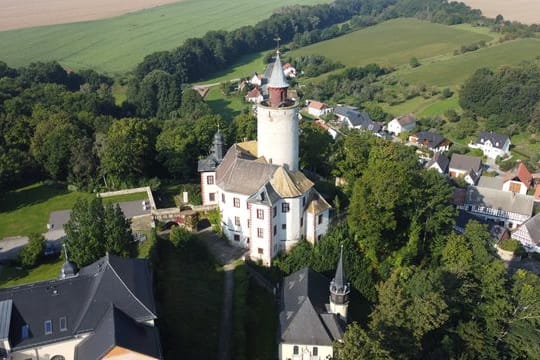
x=393, y=43
x=27, y=210
x=245, y=67
x=454, y=70
x=14, y=276
x=117, y=44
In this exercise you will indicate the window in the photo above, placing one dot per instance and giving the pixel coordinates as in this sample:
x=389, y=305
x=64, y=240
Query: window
x=283, y=226
x=25, y=332
x=275, y=230
x=236, y=202
x=301, y=222
x=295, y=350
x=236, y=237
x=319, y=238
x=237, y=220
x=210, y=179
x=260, y=214
x=260, y=250
x=303, y=201
x=285, y=207
x=260, y=232
x=63, y=323
x=223, y=198
x=319, y=220
x=58, y=357
x=48, y=327
x=315, y=351
x=515, y=187
x=249, y=223
x=275, y=211
x=212, y=197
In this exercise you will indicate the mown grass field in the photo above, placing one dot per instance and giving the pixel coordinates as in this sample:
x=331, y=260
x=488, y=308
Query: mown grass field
x=14, y=276
x=454, y=70
x=393, y=43
x=116, y=45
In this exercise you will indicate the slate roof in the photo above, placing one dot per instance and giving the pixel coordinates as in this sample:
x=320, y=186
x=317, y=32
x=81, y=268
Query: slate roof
x=303, y=317
x=277, y=78
x=83, y=300
x=429, y=139
x=533, y=228
x=290, y=184
x=358, y=119
x=118, y=329
x=497, y=140
x=491, y=182
x=441, y=160
x=406, y=120
x=499, y=199
x=465, y=163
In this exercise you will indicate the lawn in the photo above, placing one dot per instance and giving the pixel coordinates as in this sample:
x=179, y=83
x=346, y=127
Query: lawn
x=453, y=71
x=393, y=43
x=13, y=276
x=128, y=197
x=117, y=44
x=189, y=294
x=421, y=107
x=226, y=106
x=27, y=210
x=244, y=67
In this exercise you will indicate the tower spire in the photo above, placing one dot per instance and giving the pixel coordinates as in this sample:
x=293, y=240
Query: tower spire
x=69, y=269
x=339, y=290
x=339, y=278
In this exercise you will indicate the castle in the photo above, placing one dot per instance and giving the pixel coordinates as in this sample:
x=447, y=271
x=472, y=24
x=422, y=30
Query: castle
x=267, y=205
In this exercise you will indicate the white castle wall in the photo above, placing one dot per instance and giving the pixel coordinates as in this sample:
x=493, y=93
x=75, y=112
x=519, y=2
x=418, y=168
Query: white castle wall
x=277, y=135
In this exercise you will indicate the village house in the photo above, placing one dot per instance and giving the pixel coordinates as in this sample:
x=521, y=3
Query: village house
x=518, y=179
x=500, y=207
x=103, y=310
x=438, y=162
x=497, y=232
x=467, y=167
x=318, y=109
x=528, y=234
x=492, y=145
x=267, y=205
x=256, y=80
x=324, y=126
x=289, y=70
x=313, y=314
x=430, y=141
x=351, y=118
x=254, y=96
x=401, y=124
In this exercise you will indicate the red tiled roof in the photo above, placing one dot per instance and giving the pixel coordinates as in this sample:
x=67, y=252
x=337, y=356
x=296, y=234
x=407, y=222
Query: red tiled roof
x=406, y=120
x=253, y=93
x=317, y=105
x=521, y=173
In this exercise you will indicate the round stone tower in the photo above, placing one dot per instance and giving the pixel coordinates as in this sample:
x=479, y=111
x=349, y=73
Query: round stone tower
x=277, y=122
x=339, y=291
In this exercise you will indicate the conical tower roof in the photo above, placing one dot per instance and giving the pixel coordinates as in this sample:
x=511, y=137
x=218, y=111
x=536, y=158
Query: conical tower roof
x=277, y=78
x=339, y=278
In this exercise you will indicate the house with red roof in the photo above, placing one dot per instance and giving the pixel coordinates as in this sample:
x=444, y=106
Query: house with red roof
x=317, y=108
x=518, y=180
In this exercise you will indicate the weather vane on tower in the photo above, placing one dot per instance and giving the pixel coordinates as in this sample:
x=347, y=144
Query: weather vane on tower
x=277, y=39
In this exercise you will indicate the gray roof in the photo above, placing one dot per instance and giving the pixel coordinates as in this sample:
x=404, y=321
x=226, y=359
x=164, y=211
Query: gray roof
x=239, y=173
x=210, y=163
x=303, y=317
x=465, y=162
x=440, y=160
x=118, y=329
x=6, y=307
x=277, y=78
x=429, y=139
x=533, y=227
x=358, y=119
x=266, y=195
x=499, y=199
x=491, y=182
x=497, y=140
x=83, y=300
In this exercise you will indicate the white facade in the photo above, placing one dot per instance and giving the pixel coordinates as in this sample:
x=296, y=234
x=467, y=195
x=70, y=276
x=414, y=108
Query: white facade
x=515, y=186
x=209, y=189
x=235, y=218
x=318, y=109
x=277, y=135
x=492, y=151
x=64, y=348
x=394, y=127
x=305, y=352
x=316, y=226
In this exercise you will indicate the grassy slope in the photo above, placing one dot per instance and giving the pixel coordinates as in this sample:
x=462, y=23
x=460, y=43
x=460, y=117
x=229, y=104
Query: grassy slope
x=13, y=276
x=27, y=210
x=455, y=70
x=393, y=43
x=118, y=44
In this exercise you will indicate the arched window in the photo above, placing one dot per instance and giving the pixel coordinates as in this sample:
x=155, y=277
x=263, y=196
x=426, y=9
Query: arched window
x=58, y=357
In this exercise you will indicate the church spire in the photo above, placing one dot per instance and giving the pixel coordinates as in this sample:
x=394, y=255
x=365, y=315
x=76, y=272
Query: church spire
x=277, y=85
x=69, y=269
x=339, y=290
x=339, y=279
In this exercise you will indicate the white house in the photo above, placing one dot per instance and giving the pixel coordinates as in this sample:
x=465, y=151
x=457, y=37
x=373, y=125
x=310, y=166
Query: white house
x=351, y=118
x=401, y=124
x=267, y=205
x=254, y=96
x=518, y=180
x=438, y=162
x=313, y=314
x=317, y=108
x=492, y=144
x=289, y=70
x=467, y=167
x=256, y=80
x=528, y=234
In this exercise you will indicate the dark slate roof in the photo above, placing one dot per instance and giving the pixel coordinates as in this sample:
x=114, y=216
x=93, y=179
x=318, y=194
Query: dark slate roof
x=266, y=195
x=210, y=163
x=429, y=139
x=358, y=119
x=303, y=317
x=466, y=162
x=83, y=300
x=118, y=329
x=497, y=140
x=440, y=160
x=6, y=306
x=533, y=227
x=497, y=232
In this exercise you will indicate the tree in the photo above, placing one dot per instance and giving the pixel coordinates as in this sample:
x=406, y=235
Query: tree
x=31, y=253
x=180, y=236
x=93, y=230
x=83, y=164
x=244, y=127
x=413, y=62
x=315, y=149
x=158, y=95
x=359, y=344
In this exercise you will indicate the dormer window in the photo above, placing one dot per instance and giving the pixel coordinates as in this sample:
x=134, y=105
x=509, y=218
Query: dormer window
x=25, y=332
x=63, y=323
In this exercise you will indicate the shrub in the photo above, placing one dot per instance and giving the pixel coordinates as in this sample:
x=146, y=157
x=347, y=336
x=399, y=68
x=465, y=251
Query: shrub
x=31, y=253
x=180, y=236
x=414, y=62
x=512, y=246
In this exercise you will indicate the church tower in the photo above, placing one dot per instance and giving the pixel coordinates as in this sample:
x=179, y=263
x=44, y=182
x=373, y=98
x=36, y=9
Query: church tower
x=339, y=291
x=277, y=122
